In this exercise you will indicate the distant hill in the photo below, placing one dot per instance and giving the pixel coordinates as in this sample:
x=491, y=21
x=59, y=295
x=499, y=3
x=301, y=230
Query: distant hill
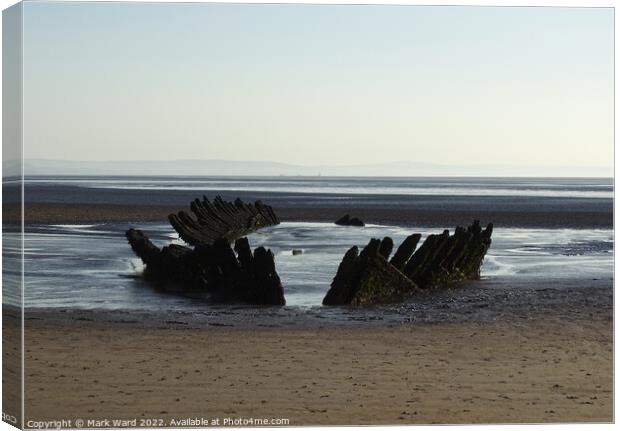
x=255, y=168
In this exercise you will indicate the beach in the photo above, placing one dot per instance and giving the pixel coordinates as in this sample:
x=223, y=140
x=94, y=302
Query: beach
x=539, y=370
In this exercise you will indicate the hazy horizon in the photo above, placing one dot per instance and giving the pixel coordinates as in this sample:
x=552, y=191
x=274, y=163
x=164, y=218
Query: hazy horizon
x=211, y=167
x=318, y=85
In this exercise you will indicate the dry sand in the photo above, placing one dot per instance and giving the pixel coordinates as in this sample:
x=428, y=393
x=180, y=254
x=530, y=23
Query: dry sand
x=497, y=372
x=11, y=366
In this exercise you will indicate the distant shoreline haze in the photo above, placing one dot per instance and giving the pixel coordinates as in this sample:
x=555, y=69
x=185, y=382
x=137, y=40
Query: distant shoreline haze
x=37, y=167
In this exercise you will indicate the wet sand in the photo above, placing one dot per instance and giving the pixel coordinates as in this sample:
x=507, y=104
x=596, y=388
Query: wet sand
x=515, y=371
x=63, y=213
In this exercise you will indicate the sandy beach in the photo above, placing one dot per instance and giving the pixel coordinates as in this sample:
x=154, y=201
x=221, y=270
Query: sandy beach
x=12, y=365
x=537, y=370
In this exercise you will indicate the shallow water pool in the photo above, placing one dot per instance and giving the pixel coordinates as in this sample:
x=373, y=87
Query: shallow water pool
x=92, y=266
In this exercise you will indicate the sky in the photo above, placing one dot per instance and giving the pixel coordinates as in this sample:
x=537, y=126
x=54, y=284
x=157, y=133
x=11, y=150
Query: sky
x=316, y=84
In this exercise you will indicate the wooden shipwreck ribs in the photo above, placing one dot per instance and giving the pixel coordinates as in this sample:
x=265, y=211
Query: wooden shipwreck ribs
x=368, y=277
x=212, y=266
x=221, y=219
x=234, y=273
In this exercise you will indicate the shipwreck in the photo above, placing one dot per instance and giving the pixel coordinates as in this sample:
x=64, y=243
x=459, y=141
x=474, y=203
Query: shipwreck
x=370, y=276
x=219, y=262
x=211, y=265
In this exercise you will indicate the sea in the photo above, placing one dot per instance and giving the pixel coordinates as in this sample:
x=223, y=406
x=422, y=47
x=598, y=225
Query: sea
x=91, y=267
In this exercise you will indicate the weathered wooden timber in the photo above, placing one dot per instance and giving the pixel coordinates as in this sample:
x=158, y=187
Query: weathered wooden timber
x=212, y=267
x=210, y=220
x=347, y=220
x=369, y=278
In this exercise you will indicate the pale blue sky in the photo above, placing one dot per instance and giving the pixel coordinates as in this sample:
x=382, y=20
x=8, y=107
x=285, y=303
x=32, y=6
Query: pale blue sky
x=312, y=84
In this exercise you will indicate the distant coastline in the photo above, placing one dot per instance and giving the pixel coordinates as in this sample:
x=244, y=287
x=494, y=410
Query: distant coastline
x=211, y=167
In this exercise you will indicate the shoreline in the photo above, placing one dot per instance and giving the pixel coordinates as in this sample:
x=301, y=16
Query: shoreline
x=79, y=213
x=474, y=302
